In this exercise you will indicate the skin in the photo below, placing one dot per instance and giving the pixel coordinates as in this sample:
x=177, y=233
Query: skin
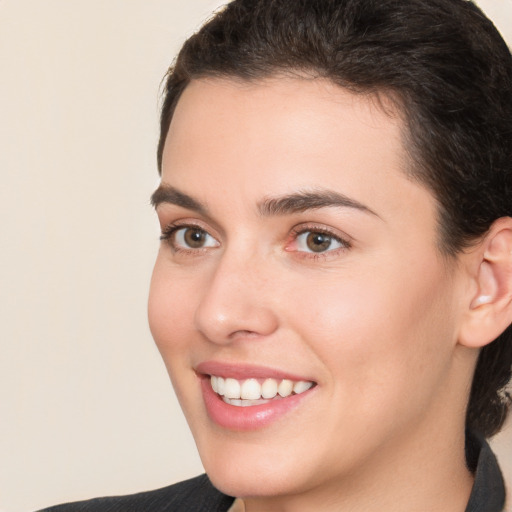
x=373, y=321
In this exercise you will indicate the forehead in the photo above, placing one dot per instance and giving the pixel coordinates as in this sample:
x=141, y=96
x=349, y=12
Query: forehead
x=285, y=112
x=275, y=136
x=283, y=102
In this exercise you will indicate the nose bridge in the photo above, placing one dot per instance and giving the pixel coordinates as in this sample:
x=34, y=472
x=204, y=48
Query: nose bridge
x=236, y=299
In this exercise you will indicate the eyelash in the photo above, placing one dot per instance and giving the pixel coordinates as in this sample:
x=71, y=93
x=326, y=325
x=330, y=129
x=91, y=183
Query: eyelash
x=297, y=231
x=169, y=232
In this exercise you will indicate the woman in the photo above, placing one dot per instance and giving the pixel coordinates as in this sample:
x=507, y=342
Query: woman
x=333, y=292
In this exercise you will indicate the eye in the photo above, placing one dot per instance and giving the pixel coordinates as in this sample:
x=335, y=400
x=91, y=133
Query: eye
x=318, y=242
x=188, y=238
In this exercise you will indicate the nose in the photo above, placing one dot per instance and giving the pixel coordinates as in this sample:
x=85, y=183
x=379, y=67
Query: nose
x=237, y=302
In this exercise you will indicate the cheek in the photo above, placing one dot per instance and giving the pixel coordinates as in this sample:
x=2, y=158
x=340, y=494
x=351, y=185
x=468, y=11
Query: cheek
x=380, y=333
x=168, y=305
x=170, y=315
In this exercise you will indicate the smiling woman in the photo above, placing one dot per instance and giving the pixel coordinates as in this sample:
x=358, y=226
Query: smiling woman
x=356, y=317
x=336, y=292
x=332, y=296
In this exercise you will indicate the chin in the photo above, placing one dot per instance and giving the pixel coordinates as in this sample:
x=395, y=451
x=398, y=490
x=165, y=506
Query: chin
x=254, y=483
x=255, y=469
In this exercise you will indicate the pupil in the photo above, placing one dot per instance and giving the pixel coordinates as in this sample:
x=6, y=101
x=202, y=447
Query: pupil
x=318, y=242
x=194, y=238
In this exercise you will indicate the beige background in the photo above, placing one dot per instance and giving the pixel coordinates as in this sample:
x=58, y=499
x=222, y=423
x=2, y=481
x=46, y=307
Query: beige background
x=85, y=404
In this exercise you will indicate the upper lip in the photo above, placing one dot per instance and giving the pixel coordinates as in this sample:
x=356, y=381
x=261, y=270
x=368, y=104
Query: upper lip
x=242, y=371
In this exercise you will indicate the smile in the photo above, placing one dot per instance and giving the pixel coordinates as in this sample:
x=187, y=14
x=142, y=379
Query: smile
x=251, y=392
x=246, y=397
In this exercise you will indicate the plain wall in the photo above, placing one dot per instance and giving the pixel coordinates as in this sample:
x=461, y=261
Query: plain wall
x=86, y=408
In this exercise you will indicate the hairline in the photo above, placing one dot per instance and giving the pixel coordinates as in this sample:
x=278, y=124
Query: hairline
x=389, y=101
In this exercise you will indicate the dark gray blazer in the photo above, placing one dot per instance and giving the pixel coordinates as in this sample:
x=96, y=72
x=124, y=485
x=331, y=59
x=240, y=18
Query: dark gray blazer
x=197, y=494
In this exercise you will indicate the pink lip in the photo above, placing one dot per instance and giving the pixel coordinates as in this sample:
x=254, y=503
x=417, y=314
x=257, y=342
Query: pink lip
x=245, y=418
x=244, y=371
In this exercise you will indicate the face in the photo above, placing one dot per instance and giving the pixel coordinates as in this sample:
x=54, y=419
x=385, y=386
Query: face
x=298, y=266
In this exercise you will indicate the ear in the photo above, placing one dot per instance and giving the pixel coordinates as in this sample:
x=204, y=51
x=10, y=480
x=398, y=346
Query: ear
x=489, y=310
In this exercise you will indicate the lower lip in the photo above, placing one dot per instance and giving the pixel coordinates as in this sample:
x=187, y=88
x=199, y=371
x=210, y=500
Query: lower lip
x=253, y=417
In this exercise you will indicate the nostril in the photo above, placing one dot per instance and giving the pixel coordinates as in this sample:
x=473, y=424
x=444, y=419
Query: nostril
x=244, y=334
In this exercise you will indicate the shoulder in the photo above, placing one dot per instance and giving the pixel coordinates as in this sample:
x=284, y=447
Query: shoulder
x=196, y=494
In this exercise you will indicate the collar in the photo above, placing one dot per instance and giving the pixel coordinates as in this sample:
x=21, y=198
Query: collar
x=488, y=494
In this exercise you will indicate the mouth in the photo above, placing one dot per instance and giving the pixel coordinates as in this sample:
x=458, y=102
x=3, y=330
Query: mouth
x=246, y=397
x=251, y=392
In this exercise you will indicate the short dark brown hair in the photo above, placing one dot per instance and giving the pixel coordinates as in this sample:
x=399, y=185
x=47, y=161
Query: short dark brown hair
x=451, y=73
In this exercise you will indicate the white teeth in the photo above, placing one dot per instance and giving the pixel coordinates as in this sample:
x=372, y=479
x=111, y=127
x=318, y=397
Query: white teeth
x=231, y=388
x=269, y=388
x=241, y=403
x=221, y=384
x=301, y=386
x=233, y=401
x=251, y=392
x=285, y=388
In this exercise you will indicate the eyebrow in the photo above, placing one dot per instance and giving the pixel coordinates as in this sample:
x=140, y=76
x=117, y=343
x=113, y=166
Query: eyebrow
x=168, y=194
x=309, y=200
x=272, y=206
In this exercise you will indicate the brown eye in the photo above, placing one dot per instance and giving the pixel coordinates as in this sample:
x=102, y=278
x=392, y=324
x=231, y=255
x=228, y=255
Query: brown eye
x=193, y=238
x=317, y=241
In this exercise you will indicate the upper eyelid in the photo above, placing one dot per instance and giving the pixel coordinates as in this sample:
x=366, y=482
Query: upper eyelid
x=167, y=211
x=338, y=238
x=314, y=227
x=187, y=222
x=173, y=227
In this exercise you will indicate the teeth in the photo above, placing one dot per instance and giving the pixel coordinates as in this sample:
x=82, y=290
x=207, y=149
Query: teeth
x=251, y=392
x=214, y=381
x=301, y=386
x=231, y=388
x=285, y=388
x=269, y=388
x=221, y=385
x=242, y=403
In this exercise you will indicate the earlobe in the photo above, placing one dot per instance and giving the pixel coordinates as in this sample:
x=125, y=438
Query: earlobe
x=490, y=308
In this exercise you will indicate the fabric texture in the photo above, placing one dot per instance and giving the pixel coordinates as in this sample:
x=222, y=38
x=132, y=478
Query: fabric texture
x=488, y=494
x=194, y=495
x=199, y=495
